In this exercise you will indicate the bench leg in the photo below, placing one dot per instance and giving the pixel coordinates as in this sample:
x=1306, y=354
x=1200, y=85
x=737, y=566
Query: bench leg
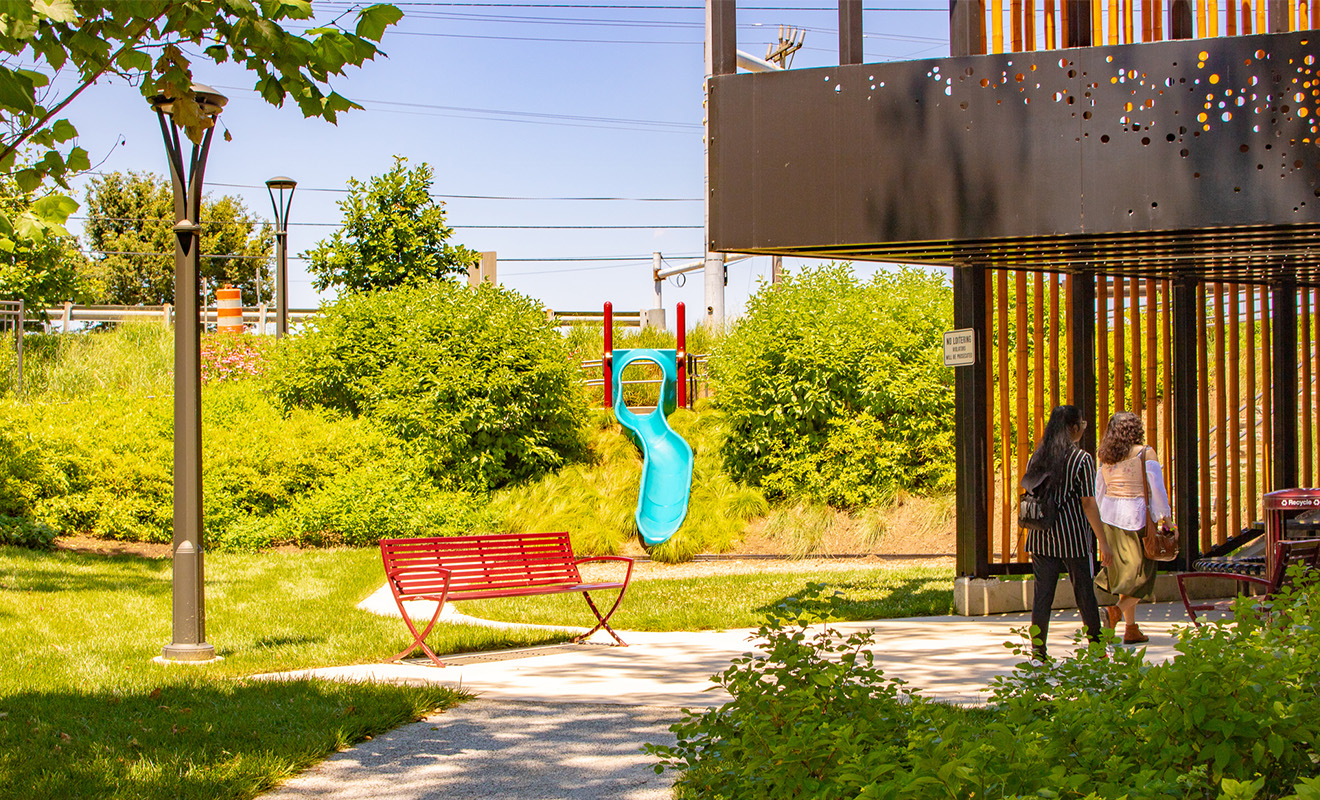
x=419, y=639
x=603, y=621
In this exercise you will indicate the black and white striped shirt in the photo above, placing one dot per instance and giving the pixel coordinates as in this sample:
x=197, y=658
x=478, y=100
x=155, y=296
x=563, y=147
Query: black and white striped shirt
x=1071, y=536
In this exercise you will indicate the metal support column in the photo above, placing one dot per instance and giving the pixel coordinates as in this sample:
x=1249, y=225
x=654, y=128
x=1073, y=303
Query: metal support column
x=966, y=27
x=850, y=32
x=1078, y=33
x=1283, y=330
x=1081, y=288
x=1186, y=510
x=972, y=427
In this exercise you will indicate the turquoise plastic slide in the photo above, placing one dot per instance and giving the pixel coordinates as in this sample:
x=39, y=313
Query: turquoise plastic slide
x=662, y=502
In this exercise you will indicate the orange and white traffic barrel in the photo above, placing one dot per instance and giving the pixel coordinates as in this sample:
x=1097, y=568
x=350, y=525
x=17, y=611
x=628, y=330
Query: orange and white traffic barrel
x=229, y=309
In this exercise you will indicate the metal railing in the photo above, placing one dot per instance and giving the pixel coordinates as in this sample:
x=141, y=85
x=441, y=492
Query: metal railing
x=697, y=377
x=258, y=316
x=12, y=318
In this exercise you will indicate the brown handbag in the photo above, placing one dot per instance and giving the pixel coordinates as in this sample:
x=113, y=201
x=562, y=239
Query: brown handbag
x=1159, y=544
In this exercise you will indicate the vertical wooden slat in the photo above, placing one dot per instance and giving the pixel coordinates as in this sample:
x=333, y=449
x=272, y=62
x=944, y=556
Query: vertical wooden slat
x=1203, y=418
x=1235, y=409
x=1212, y=16
x=1051, y=29
x=1021, y=338
x=1137, y=395
x=1315, y=373
x=1201, y=29
x=997, y=26
x=1097, y=31
x=1029, y=22
x=1246, y=18
x=1230, y=18
x=1315, y=14
x=1068, y=342
x=1005, y=429
x=1119, y=372
x=1056, y=366
x=1221, y=421
x=1114, y=16
x=1038, y=353
x=1305, y=358
x=1152, y=349
x=1102, y=355
x=1127, y=21
x=1147, y=29
x=1015, y=15
x=1253, y=487
x=1266, y=389
x=1157, y=23
x=989, y=532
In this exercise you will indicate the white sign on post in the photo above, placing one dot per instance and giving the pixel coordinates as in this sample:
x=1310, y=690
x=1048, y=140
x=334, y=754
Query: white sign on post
x=960, y=347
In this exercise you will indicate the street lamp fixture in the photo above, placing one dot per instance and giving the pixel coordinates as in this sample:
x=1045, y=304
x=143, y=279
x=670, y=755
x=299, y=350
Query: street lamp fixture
x=189, y=609
x=281, y=184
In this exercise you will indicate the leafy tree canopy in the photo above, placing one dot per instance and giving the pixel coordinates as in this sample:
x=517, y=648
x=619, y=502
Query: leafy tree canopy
x=130, y=218
x=148, y=42
x=393, y=233
x=44, y=267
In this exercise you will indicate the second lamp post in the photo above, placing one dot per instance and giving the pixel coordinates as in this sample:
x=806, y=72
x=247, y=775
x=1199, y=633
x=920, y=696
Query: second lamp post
x=281, y=184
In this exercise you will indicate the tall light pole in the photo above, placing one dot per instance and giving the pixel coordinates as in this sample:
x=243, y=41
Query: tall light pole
x=189, y=611
x=280, y=184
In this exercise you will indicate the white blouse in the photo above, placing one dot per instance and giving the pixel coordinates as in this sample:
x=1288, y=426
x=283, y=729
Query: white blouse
x=1129, y=513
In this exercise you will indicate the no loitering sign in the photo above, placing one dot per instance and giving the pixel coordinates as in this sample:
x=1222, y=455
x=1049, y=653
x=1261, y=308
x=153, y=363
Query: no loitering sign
x=960, y=347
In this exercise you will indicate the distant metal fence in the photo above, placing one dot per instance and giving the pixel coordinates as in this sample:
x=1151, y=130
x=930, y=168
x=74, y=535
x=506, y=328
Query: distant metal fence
x=697, y=378
x=12, y=319
x=257, y=316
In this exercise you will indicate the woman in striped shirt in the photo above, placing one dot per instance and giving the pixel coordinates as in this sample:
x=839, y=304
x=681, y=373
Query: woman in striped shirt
x=1066, y=472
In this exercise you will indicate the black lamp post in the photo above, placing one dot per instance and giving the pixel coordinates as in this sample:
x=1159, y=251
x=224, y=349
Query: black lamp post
x=189, y=642
x=281, y=184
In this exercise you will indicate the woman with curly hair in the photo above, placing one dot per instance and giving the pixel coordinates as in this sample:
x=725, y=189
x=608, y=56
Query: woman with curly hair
x=1126, y=465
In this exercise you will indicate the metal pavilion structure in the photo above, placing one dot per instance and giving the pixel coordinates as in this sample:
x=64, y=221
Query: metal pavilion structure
x=1128, y=193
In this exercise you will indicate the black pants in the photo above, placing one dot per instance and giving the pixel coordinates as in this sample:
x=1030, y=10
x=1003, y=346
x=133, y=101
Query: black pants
x=1047, y=570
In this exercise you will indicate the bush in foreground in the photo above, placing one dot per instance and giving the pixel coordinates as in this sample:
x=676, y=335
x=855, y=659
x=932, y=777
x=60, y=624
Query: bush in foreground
x=1235, y=716
x=834, y=388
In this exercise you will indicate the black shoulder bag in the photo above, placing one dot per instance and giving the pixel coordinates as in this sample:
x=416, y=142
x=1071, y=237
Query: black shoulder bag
x=1037, y=509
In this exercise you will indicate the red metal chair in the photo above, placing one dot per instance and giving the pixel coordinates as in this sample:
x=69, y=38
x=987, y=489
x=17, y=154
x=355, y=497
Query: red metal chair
x=1287, y=553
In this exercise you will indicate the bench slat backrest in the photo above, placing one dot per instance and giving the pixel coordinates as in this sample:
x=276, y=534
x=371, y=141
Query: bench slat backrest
x=480, y=563
x=1291, y=552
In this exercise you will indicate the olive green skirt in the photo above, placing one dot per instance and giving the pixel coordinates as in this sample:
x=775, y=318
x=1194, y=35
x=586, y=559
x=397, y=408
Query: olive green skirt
x=1131, y=573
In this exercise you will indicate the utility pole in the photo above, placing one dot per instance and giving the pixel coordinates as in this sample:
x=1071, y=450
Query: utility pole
x=716, y=11
x=781, y=53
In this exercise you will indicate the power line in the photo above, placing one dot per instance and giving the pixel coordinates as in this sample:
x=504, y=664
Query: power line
x=254, y=223
x=490, y=196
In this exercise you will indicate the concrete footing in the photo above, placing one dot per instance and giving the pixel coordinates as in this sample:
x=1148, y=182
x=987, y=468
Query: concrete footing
x=975, y=597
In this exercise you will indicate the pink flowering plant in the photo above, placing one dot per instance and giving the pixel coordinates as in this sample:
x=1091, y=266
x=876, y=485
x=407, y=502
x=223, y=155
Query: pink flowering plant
x=234, y=356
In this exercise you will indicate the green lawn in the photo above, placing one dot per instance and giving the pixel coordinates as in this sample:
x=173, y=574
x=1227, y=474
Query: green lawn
x=84, y=712
x=741, y=601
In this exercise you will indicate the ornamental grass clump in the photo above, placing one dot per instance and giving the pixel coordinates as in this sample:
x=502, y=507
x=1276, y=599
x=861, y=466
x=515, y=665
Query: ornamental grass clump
x=1235, y=716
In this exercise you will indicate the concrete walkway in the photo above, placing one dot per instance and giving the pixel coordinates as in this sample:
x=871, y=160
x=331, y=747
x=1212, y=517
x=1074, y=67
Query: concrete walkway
x=567, y=721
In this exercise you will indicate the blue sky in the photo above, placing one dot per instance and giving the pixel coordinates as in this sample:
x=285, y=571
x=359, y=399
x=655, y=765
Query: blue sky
x=538, y=100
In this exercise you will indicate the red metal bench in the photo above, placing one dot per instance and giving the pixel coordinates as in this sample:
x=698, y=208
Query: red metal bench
x=449, y=568
x=1287, y=553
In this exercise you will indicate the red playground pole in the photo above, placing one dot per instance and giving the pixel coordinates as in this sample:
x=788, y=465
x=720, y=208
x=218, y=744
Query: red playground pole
x=607, y=361
x=681, y=356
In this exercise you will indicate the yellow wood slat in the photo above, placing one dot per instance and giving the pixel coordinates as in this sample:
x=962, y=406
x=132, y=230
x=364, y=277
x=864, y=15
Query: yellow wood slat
x=1005, y=429
x=1038, y=356
x=1114, y=16
x=1212, y=15
x=1096, y=29
x=1127, y=21
x=989, y=532
x=1050, y=26
x=1120, y=347
x=1152, y=359
x=1253, y=488
x=1147, y=29
x=1068, y=340
x=1230, y=18
x=1102, y=357
x=1203, y=417
x=1304, y=344
x=1221, y=421
x=1055, y=364
x=1029, y=23
x=996, y=26
x=1235, y=413
x=1167, y=317
x=1157, y=20
x=1201, y=29
x=1137, y=395
x=1261, y=23
x=1020, y=346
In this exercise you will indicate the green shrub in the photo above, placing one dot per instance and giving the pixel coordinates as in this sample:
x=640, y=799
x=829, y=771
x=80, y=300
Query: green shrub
x=835, y=389
x=1235, y=715
x=475, y=381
